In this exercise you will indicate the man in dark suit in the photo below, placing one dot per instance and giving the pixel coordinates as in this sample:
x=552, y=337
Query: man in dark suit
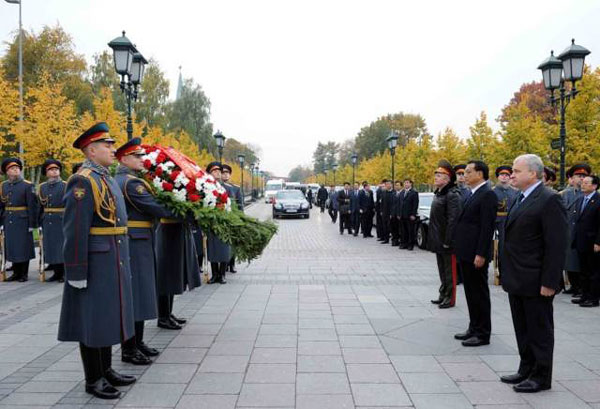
x=378, y=216
x=322, y=198
x=586, y=240
x=387, y=202
x=474, y=235
x=355, y=209
x=366, y=205
x=535, y=235
x=408, y=215
x=343, y=199
x=396, y=212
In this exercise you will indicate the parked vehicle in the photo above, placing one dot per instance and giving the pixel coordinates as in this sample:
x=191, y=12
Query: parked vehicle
x=272, y=187
x=425, y=200
x=290, y=203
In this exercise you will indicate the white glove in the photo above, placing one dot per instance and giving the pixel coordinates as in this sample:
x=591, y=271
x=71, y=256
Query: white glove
x=79, y=284
x=30, y=229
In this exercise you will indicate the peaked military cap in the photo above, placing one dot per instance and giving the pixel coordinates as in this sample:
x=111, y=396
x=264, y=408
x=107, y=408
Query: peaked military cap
x=10, y=162
x=213, y=165
x=446, y=168
x=579, y=169
x=51, y=164
x=550, y=173
x=96, y=133
x=132, y=147
x=226, y=167
x=504, y=169
x=460, y=167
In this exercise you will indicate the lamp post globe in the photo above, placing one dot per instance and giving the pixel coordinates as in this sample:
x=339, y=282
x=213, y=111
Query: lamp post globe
x=241, y=159
x=354, y=159
x=392, y=141
x=137, y=69
x=573, y=59
x=220, y=139
x=123, y=51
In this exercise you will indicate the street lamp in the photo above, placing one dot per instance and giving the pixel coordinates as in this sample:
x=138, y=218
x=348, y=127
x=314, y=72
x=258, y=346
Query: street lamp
x=20, y=73
x=392, y=141
x=241, y=159
x=220, y=138
x=257, y=181
x=252, y=165
x=325, y=173
x=354, y=159
x=128, y=63
x=555, y=71
x=334, y=167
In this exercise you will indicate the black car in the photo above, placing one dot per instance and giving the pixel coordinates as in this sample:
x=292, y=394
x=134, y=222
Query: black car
x=290, y=203
x=425, y=200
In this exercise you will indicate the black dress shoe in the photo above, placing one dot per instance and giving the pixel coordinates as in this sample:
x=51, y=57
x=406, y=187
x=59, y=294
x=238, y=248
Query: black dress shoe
x=410, y=248
x=577, y=300
x=166, y=323
x=117, y=379
x=61, y=280
x=513, y=379
x=530, y=386
x=475, y=341
x=180, y=321
x=446, y=304
x=135, y=357
x=355, y=234
x=51, y=279
x=385, y=242
x=461, y=336
x=589, y=303
x=213, y=279
x=147, y=350
x=233, y=271
x=23, y=279
x=438, y=301
x=102, y=389
x=12, y=278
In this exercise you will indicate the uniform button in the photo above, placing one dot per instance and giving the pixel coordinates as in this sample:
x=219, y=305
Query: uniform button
x=121, y=263
x=118, y=219
x=119, y=241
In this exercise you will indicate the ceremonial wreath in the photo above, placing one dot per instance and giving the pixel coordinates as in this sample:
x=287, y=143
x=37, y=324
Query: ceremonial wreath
x=183, y=187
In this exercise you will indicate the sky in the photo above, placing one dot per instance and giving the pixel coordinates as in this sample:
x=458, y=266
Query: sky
x=285, y=75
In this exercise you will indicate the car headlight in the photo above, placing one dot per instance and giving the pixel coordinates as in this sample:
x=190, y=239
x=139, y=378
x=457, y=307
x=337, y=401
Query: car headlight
x=278, y=205
x=304, y=205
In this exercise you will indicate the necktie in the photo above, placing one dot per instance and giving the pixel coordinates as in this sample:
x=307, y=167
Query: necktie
x=585, y=202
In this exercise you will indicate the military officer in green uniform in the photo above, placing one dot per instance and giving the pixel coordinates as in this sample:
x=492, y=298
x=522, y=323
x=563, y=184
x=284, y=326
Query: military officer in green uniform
x=506, y=195
x=143, y=210
x=18, y=214
x=235, y=193
x=97, y=304
x=50, y=196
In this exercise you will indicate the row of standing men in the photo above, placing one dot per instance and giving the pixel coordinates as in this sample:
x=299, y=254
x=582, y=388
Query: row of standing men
x=124, y=255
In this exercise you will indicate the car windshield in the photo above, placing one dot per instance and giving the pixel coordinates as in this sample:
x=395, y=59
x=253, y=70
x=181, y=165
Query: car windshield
x=425, y=201
x=290, y=195
x=274, y=186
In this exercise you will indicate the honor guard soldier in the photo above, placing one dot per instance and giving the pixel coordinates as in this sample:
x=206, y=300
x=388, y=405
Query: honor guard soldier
x=18, y=210
x=177, y=267
x=50, y=197
x=506, y=195
x=459, y=171
x=219, y=253
x=235, y=193
x=97, y=305
x=142, y=211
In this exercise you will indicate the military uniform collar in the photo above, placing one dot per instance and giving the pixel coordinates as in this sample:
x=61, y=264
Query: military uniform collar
x=15, y=181
x=95, y=167
x=124, y=170
x=54, y=181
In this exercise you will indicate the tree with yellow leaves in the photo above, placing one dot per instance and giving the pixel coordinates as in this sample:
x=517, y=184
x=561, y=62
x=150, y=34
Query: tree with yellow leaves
x=9, y=113
x=51, y=125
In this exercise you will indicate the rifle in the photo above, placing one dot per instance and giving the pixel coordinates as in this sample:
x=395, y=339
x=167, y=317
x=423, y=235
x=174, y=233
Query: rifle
x=3, y=257
x=42, y=273
x=496, y=270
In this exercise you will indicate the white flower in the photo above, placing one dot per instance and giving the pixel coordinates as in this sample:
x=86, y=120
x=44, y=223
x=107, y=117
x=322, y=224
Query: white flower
x=157, y=182
x=152, y=156
x=180, y=194
x=181, y=180
x=168, y=165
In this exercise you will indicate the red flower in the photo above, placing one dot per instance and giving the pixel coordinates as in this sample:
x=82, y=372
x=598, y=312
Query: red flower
x=224, y=196
x=193, y=198
x=191, y=186
x=159, y=171
x=147, y=164
x=174, y=175
x=167, y=186
x=161, y=158
x=215, y=193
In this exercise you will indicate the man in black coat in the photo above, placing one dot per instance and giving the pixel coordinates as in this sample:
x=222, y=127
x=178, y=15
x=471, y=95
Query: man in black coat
x=396, y=212
x=378, y=216
x=474, y=235
x=586, y=240
x=322, y=198
x=535, y=235
x=343, y=199
x=408, y=215
x=366, y=205
x=355, y=209
x=387, y=203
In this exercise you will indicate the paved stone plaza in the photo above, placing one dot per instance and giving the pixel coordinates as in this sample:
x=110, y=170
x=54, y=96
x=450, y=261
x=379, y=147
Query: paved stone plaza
x=320, y=321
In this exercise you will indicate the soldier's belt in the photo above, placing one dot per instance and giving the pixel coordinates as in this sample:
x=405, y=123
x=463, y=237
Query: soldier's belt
x=502, y=214
x=16, y=209
x=54, y=209
x=169, y=221
x=108, y=231
x=139, y=224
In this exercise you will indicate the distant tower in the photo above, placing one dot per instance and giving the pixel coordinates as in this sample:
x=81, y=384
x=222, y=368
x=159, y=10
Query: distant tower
x=179, y=85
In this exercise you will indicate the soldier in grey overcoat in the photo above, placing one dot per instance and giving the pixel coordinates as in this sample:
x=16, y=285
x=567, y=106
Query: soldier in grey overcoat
x=570, y=196
x=219, y=253
x=235, y=193
x=143, y=210
x=97, y=304
x=50, y=197
x=18, y=213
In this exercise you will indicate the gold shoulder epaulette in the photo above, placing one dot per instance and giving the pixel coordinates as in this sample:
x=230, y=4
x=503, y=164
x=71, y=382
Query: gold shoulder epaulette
x=85, y=172
x=27, y=181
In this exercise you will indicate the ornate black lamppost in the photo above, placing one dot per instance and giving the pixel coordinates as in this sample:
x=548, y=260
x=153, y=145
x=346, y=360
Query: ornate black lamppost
x=241, y=159
x=392, y=141
x=555, y=71
x=128, y=63
x=354, y=159
x=220, y=138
